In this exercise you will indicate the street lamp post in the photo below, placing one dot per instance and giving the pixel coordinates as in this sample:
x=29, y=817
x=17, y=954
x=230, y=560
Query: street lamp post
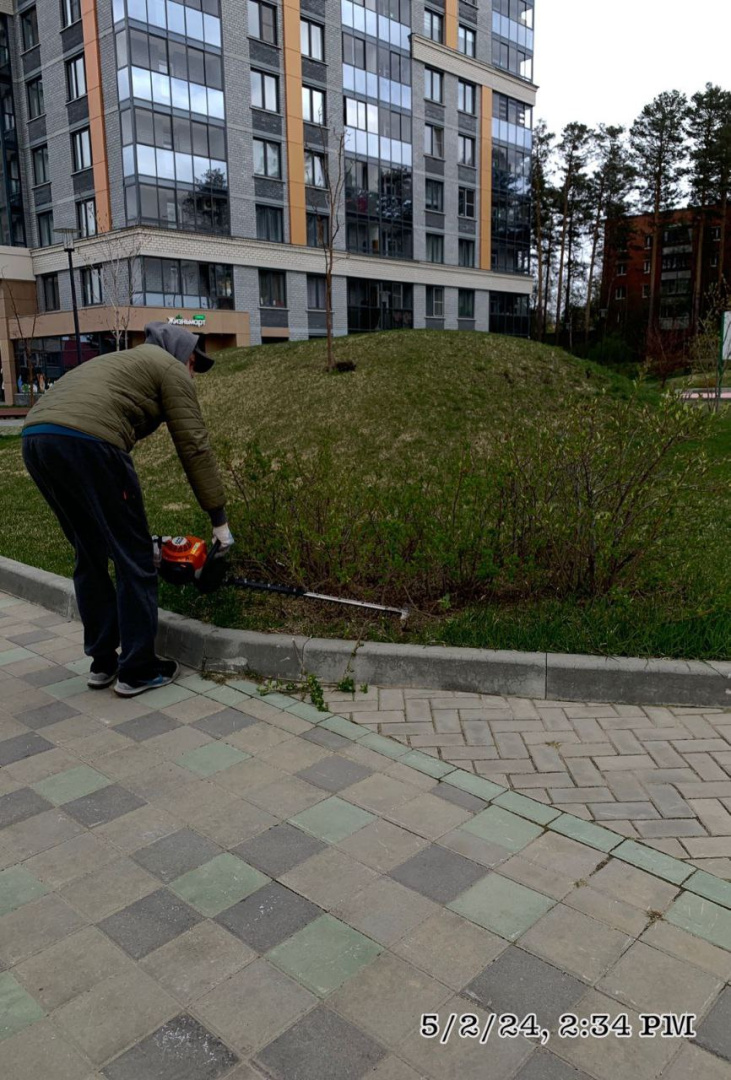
x=69, y=235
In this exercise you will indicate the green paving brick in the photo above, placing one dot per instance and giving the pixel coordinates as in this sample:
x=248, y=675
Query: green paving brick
x=586, y=833
x=707, y=885
x=197, y=684
x=226, y=695
x=167, y=695
x=71, y=784
x=527, y=808
x=499, y=826
x=701, y=917
x=476, y=785
x=18, y=887
x=81, y=667
x=218, y=884
x=324, y=954
x=17, y=1008
x=425, y=763
x=505, y=907
x=9, y=601
x=344, y=727
x=332, y=820
x=11, y=655
x=308, y=712
x=251, y=689
x=67, y=688
x=381, y=745
x=281, y=701
x=211, y=758
x=655, y=862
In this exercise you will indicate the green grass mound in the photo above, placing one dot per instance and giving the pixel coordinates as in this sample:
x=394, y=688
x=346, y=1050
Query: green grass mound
x=511, y=495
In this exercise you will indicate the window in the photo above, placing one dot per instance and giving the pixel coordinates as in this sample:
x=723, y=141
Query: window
x=312, y=40
x=175, y=283
x=70, y=11
x=91, y=286
x=35, y=98
x=272, y=288
x=267, y=159
x=45, y=229
x=466, y=41
x=29, y=28
x=466, y=97
x=75, y=78
x=466, y=252
x=648, y=241
x=716, y=232
x=434, y=248
x=714, y=260
x=314, y=169
x=434, y=141
x=433, y=25
x=270, y=224
x=645, y=292
x=646, y=266
x=40, y=165
x=264, y=91
x=434, y=302
x=313, y=105
x=49, y=292
x=621, y=269
x=81, y=149
x=86, y=217
x=316, y=292
x=466, y=202
x=465, y=304
x=433, y=85
x=620, y=292
x=263, y=21
x=318, y=230
x=466, y=150
x=434, y=196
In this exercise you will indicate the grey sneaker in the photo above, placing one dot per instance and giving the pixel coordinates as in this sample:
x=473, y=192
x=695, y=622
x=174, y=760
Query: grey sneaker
x=103, y=672
x=160, y=674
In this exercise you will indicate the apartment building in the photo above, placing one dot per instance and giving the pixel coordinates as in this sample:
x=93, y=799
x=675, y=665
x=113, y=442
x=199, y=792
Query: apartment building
x=197, y=155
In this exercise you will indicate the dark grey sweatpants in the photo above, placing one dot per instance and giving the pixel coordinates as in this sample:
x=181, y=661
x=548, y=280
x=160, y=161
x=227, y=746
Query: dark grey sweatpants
x=93, y=490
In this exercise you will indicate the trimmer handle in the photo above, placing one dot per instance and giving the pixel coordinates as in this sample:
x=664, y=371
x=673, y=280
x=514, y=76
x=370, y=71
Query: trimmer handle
x=211, y=575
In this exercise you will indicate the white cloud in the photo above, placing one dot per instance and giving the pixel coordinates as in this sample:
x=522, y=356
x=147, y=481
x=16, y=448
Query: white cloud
x=602, y=61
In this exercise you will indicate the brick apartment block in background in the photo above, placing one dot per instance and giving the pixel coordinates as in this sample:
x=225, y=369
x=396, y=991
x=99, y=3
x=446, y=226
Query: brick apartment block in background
x=189, y=145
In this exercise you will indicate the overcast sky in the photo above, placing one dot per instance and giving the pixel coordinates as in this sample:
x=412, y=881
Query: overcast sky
x=602, y=61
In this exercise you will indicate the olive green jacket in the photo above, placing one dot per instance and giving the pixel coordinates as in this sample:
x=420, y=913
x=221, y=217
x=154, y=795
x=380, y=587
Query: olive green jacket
x=123, y=397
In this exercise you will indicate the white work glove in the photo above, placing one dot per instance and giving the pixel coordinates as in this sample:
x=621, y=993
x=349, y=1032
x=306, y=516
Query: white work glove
x=222, y=533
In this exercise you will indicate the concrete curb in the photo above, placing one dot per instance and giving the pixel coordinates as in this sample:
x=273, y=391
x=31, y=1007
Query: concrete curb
x=555, y=676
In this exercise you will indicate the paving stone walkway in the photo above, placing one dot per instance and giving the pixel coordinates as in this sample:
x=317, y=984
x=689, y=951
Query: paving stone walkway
x=662, y=775
x=206, y=883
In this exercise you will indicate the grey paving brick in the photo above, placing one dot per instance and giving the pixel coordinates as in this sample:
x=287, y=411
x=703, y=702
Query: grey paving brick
x=268, y=916
x=438, y=873
x=714, y=1033
x=279, y=849
x=147, y=726
x=176, y=854
x=619, y=811
x=459, y=797
x=329, y=739
x=669, y=827
x=182, y=1049
x=334, y=773
x=46, y=715
x=23, y=746
x=520, y=983
x=19, y=805
x=225, y=722
x=668, y=801
x=322, y=1044
x=101, y=807
x=149, y=923
x=543, y=1065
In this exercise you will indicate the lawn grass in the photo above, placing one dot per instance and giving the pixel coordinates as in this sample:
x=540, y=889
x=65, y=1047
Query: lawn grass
x=413, y=395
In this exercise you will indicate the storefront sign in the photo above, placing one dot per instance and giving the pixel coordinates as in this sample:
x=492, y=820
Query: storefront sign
x=180, y=320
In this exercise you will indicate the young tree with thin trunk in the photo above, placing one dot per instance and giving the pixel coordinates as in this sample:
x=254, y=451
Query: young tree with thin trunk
x=572, y=154
x=658, y=147
x=116, y=255
x=327, y=234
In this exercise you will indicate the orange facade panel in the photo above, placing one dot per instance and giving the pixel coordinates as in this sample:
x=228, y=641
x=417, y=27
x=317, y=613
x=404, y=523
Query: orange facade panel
x=96, y=115
x=295, y=125
x=451, y=19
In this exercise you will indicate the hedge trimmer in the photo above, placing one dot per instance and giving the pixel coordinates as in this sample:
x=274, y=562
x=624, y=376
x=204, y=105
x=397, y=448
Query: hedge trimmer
x=187, y=560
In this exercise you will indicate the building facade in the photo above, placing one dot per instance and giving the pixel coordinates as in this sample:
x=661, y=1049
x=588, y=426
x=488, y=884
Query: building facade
x=201, y=153
x=691, y=268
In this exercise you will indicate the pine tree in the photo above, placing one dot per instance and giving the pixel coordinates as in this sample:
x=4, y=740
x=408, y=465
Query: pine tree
x=710, y=110
x=572, y=154
x=659, y=155
x=541, y=156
